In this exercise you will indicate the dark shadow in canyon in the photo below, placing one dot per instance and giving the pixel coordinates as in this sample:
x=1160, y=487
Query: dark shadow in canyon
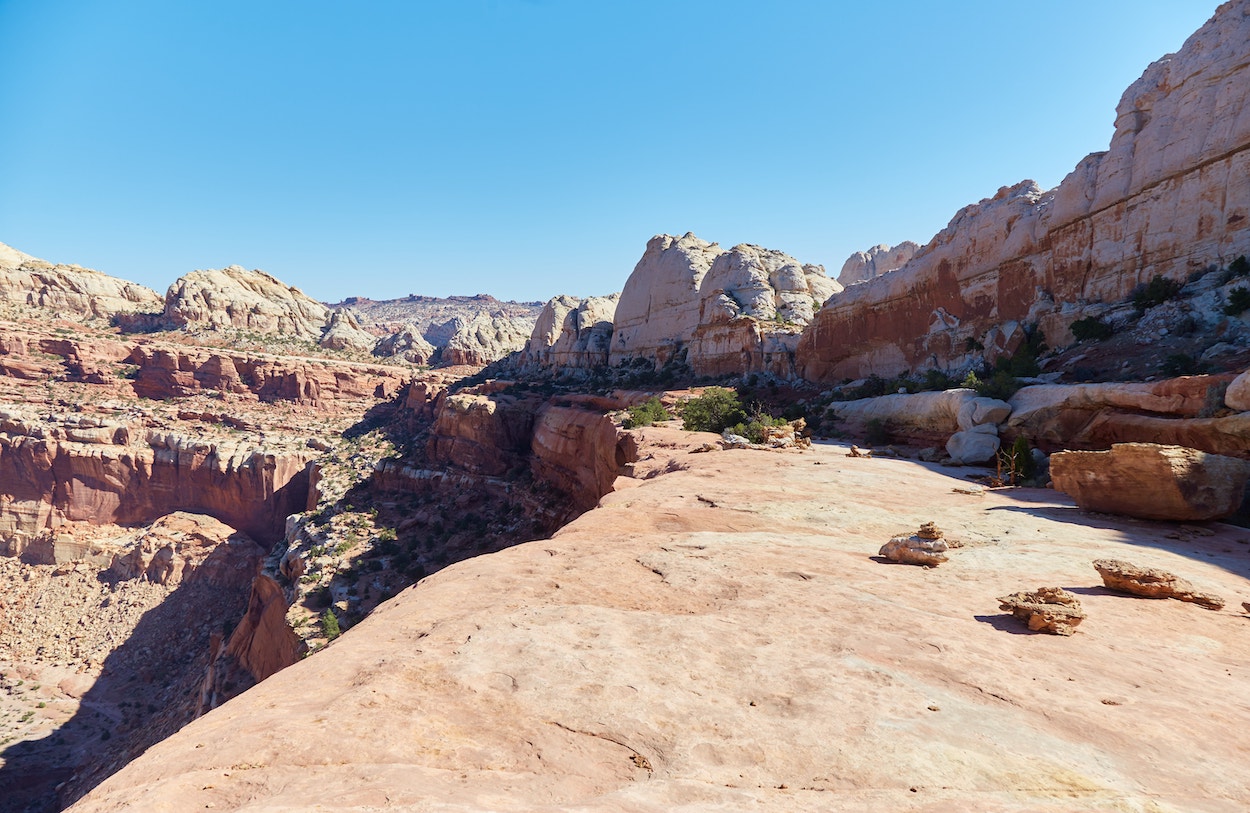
x=148, y=688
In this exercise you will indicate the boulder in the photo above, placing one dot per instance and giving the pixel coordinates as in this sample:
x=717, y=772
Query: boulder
x=1152, y=481
x=926, y=547
x=978, y=411
x=973, y=446
x=1047, y=609
x=1151, y=582
x=1238, y=394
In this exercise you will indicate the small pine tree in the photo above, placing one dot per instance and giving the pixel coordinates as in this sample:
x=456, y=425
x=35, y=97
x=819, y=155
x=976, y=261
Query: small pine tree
x=330, y=625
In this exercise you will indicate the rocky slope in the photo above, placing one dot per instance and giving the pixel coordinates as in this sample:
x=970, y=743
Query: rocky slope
x=572, y=333
x=234, y=297
x=721, y=635
x=66, y=291
x=1169, y=197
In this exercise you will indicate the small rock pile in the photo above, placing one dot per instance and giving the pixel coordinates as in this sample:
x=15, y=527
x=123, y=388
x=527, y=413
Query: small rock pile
x=925, y=547
x=1047, y=609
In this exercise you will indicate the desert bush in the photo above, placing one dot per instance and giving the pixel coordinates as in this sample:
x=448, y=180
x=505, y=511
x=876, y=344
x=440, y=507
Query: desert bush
x=753, y=430
x=1091, y=327
x=713, y=411
x=876, y=432
x=329, y=625
x=1181, y=364
x=1015, y=464
x=1156, y=292
x=1238, y=301
x=646, y=414
x=1240, y=267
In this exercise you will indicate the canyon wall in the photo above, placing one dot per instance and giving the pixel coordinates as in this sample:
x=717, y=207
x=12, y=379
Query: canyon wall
x=1169, y=197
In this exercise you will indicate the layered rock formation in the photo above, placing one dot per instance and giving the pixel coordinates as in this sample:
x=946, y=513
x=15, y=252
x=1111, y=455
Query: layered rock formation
x=572, y=333
x=880, y=259
x=175, y=371
x=484, y=338
x=67, y=291
x=753, y=303
x=1152, y=481
x=51, y=475
x=234, y=297
x=1169, y=197
x=345, y=332
x=408, y=344
x=658, y=311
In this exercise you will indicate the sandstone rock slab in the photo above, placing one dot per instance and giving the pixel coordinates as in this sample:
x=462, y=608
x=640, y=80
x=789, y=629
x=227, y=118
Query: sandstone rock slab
x=1047, y=609
x=1152, y=582
x=1152, y=481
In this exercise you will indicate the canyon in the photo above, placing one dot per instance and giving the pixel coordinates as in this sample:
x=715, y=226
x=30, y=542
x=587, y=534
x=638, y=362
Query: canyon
x=263, y=552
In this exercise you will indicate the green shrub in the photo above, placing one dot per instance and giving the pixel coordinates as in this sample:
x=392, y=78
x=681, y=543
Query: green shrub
x=330, y=625
x=646, y=414
x=1181, y=364
x=1091, y=327
x=876, y=432
x=713, y=411
x=1238, y=301
x=1016, y=463
x=1001, y=385
x=1156, y=292
x=1240, y=267
x=753, y=430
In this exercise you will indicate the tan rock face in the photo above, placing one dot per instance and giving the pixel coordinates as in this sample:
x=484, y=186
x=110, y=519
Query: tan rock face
x=659, y=307
x=68, y=291
x=485, y=338
x=753, y=302
x=1152, y=481
x=573, y=333
x=580, y=451
x=880, y=259
x=406, y=343
x=1170, y=196
x=176, y=371
x=46, y=483
x=345, y=332
x=234, y=297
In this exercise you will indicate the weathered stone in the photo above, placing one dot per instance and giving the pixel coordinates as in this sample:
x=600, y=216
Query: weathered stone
x=973, y=447
x=67, y=291
x=1238, y=394
x=1152, y=481
x=484, y=338
x=406, y=343
x=572, y=333
x=1047, y=609
x=345, y=332
x=1151, y=582
x=915, y=550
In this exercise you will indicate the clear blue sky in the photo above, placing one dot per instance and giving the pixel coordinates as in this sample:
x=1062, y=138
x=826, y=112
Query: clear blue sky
x=527, y=149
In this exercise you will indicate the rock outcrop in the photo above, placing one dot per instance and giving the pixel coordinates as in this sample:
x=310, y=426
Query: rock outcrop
x=408, y=344
x=46, y=482
x=67, y=291
x=234, y=297
x=1152, y=582
x=345, y=332
x=572, y=333
x=484, y=338
x=176, y=371
x=1169, y=197
x=880, y=259
x=658, y=311
x=753, y=303
x=1152, y=481
x=1047, y=609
